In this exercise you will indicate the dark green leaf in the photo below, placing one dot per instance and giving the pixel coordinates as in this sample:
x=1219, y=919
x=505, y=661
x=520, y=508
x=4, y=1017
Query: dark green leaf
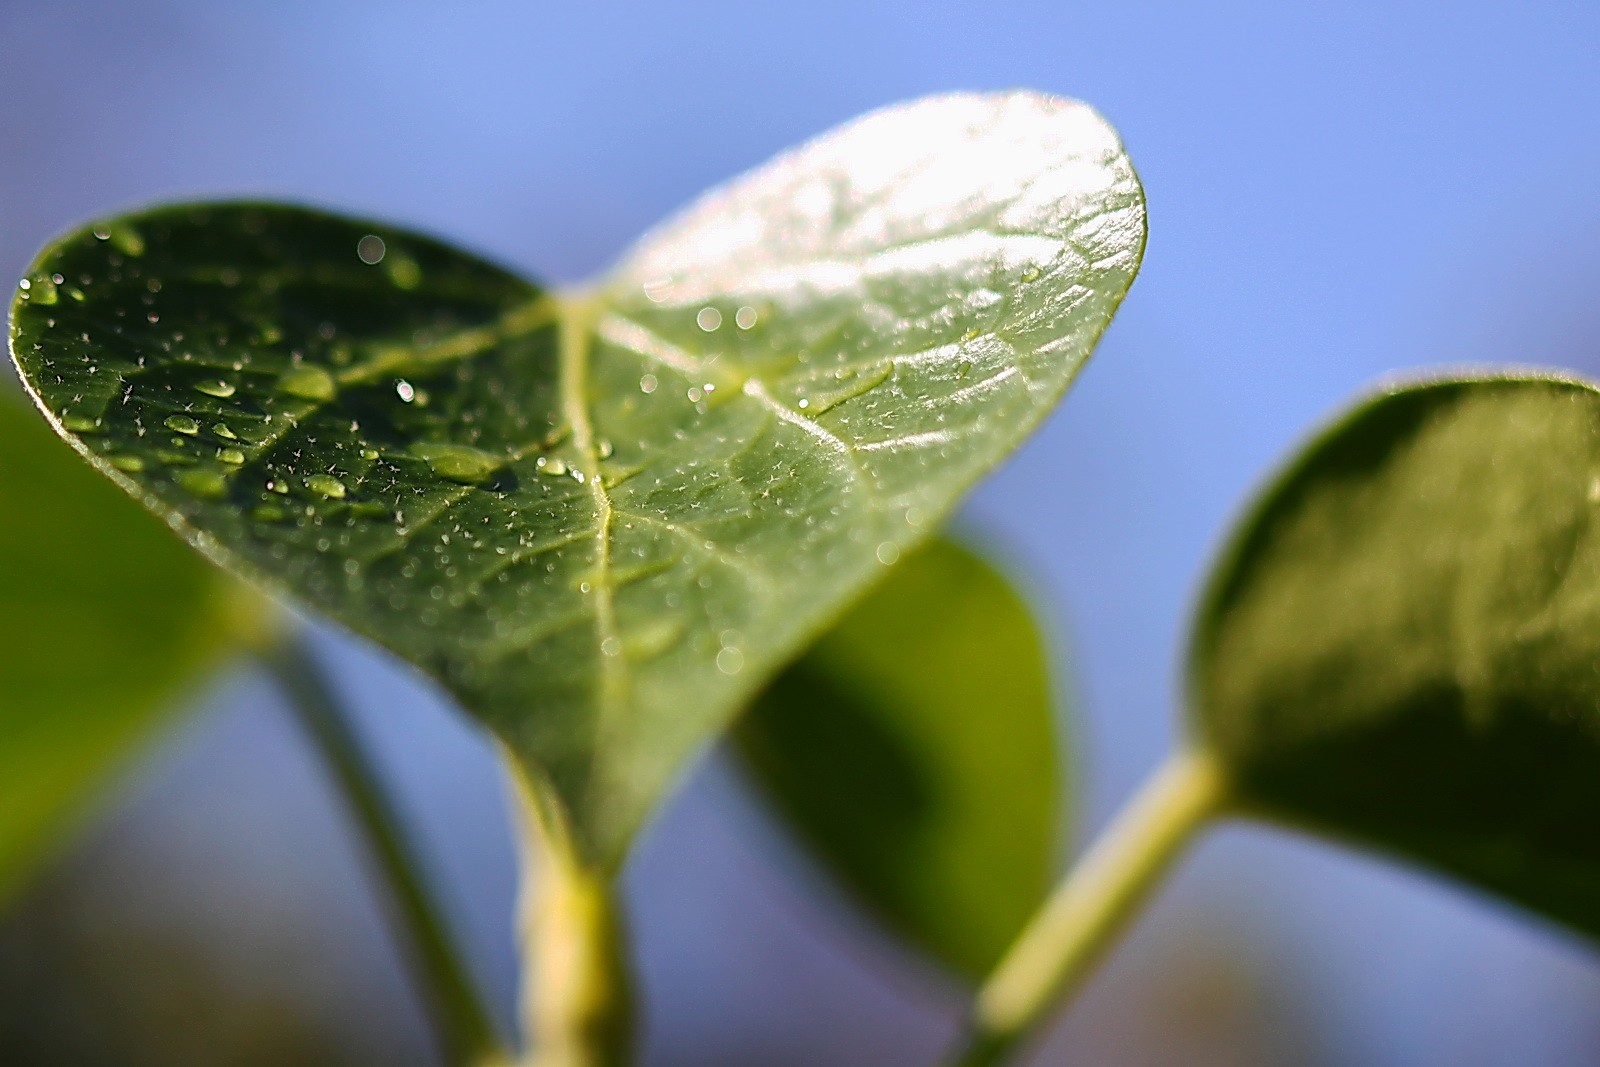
x=1402, y=646
x=913, y=748
x=106, y=622
x=602, y=519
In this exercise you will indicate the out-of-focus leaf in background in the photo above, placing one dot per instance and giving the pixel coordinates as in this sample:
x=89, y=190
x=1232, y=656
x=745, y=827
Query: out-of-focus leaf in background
x=107, y=622
x=915, y=750
x=1402, y=645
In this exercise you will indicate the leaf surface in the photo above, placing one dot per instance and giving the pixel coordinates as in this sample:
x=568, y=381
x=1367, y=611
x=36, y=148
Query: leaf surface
x=1400, y=648
x=602, y=519
x=914, y=750
x=106, y=622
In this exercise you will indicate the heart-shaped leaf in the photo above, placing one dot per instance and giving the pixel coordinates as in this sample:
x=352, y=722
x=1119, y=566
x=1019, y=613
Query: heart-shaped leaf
x=602, y=519
x=106, y=621
x=914, y=749
x=1402, y=645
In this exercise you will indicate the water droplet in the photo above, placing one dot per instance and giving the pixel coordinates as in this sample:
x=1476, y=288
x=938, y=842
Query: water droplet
x=404, y=391
x=182, y=424
x=202, y=482
x=370, y=249
x=611, y=646
x=308, y=382
x=277, y=485
x=553, y=467
x=888, y=553
x=369, y=453
x=221, y=430
x=269, y=513
x=745, y=317
x=730, y=661
x=102, y=233
x=804, y=403
x=326, y=485
x=648, y=383
x=459, y=463
x=131, y=464
x=695, y=394
x=605, y=449
x=80, y=424
x=231, y=455
x=220, y=389
x=708, y=319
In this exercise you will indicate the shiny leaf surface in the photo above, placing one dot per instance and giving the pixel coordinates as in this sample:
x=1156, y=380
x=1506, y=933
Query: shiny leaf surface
x=602, y=519
x=914, y=750
x=1401, y=646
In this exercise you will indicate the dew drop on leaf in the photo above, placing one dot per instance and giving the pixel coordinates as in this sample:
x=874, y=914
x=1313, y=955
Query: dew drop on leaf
x=459, y=463
x=202, y=482
x=308, y=382
x=370, y=249
x=730, y=661
x=326, y=485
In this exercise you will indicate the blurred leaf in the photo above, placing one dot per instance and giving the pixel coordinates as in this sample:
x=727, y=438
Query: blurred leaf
x=602, y=519
x=1402, y=645
x=106, y=622
x=914, y=749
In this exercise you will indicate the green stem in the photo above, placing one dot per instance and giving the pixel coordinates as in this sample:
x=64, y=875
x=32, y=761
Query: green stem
x=1089, y=909
x=578, y=1003
x=466, y=1034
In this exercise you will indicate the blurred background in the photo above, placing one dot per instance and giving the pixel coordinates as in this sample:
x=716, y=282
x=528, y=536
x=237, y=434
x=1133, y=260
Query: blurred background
x=1335, y=192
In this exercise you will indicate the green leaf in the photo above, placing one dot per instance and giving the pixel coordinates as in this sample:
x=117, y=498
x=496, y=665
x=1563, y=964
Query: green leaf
x=602, y=519
x=106, y=622
x=1402, y=645
x=914, y=749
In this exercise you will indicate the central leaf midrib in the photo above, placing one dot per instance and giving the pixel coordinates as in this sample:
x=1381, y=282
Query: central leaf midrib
x=577, y=312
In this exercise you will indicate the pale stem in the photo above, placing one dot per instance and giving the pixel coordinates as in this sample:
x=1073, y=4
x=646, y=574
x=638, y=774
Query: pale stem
x=578, y=1000
x=1086, y=913
x=467, y=1035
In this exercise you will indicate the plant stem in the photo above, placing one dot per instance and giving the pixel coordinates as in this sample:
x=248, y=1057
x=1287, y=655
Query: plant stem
x=578, y=1004
x=467, y=1036
x=1055, y=953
